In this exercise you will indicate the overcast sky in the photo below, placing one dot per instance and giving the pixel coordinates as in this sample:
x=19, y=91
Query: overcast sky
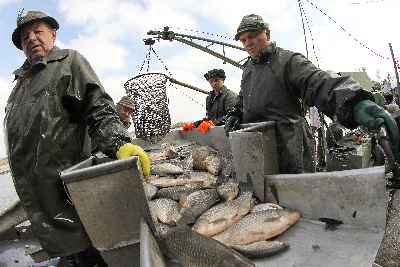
x=110, y=32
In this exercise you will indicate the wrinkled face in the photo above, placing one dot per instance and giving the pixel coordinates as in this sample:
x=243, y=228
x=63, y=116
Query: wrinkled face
x=124, y=112
x=216, y=83
x=37, y=39
x=254, y=42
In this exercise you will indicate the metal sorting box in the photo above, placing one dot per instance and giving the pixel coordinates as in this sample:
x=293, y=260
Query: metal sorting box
x=255, y=155
x=109, y=199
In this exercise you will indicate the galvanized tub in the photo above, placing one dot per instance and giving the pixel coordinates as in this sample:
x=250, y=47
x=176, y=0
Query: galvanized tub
x=109, y=199
x=355, y=197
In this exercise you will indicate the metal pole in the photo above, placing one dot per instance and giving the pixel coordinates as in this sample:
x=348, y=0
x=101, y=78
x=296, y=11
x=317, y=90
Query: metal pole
x=394, y=65
x=188, y=86
x=213, y=53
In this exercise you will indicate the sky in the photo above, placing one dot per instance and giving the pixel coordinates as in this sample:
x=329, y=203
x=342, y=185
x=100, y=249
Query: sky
x=110, y=33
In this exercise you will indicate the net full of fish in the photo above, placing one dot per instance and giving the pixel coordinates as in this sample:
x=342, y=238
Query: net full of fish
x=185, y=190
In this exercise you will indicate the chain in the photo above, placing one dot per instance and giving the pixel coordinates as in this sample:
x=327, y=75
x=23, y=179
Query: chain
x=170, y=74
x=311, y=34
x=147, y=58
x=345, y=31
x=203, y=32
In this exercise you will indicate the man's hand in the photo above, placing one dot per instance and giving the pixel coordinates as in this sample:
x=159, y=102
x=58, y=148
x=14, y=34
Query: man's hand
x=372, y=116
x=232, y=123
x=128, y=150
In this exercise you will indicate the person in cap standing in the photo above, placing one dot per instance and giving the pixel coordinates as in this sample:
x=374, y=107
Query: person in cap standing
x=125, y=108
x=57, y=100
x=220, y=99
x=275, y=85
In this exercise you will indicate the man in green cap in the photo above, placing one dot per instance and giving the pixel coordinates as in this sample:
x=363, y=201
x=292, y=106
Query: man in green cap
x=220, y=99
x=56, y=102
x=275, y=85
x=125, y=108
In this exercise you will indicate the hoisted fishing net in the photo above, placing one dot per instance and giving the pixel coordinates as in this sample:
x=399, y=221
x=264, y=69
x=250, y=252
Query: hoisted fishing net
x=151, y=115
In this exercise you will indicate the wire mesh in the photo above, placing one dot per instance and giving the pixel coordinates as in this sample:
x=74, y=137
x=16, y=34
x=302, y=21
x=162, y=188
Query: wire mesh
x=151, y=116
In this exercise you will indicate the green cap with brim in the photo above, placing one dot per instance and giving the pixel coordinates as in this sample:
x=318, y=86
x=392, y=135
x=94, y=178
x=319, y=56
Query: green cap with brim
x=251, y=23
x=127, y=102
x=215, y=73
x=30, y=17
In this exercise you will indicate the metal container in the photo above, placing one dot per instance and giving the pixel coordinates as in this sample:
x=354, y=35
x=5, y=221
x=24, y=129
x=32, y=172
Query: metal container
x=255, y=155
x=109, y=199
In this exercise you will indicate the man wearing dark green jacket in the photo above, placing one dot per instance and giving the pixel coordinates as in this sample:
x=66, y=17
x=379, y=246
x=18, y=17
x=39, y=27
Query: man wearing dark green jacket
x=220, y=99
x=56, y=101
x=275, y=85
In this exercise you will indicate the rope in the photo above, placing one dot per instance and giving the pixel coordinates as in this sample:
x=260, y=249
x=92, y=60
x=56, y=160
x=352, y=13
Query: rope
x=170, y=74
x=345, y=31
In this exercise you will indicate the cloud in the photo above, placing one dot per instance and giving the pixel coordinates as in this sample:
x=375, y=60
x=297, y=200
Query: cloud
x=103, y=53
x=6, y=2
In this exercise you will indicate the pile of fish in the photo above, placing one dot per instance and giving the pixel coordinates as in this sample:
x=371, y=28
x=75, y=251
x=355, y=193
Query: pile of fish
x=187, y=198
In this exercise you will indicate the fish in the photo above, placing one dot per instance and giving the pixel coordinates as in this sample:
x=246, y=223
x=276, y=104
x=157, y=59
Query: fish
x=261, y=249
x=165, y=169
x=228, y=191
x=176, y=192
x=266, y=206
x=162, y=228
x=165, y=210
x=150, y=190
x=218, y=218
x=170, y=152
x=258, y=226
x=191, y=249
x=194, y=204
x=206, y=159
x=203, y=181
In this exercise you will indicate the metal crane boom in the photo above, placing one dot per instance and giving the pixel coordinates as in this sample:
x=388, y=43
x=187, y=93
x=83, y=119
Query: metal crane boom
x=166, y=34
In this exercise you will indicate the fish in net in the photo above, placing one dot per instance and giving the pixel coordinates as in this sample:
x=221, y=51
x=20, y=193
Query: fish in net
x=151, y=115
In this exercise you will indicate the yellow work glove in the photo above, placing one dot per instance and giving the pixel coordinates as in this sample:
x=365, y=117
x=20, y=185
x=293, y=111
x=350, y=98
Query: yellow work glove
x=128, y=150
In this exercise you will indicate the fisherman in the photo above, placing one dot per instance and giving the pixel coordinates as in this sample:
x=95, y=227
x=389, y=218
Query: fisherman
x=218, y=102
x=57, y=100
x=125, y=108
x=220, y=99
x=275, y=85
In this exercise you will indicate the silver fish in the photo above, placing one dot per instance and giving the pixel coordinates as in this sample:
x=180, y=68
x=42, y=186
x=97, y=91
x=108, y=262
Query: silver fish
x=228, y=191
x=165, y=210
x=206, y=159
x=266, y=206
x=261, y=249
x=165, y=169
x=258, y=226
x=194, y=204
x=220, y=217
x=176, y=192
x=194, y=250
x=200, y=181
x=150, y=190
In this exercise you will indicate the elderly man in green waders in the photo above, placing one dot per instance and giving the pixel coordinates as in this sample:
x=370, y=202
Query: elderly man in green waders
x=56, y=101
x=277, y=82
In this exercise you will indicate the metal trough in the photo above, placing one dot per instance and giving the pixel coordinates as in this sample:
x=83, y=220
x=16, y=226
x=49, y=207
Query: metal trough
x=109, y=199
x=357, y=198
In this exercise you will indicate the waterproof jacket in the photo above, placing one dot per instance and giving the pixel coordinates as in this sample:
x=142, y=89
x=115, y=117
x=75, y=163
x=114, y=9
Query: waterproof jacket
x=277, y=85
x=218, y=105
x=48, y=115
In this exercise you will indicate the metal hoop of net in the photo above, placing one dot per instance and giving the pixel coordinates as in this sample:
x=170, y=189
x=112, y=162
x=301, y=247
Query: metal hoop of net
x=151, y=115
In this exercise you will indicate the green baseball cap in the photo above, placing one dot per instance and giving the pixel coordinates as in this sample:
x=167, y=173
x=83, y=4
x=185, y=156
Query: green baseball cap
x=251, y=23
x=215, y=73
x=30, y=17
x=127, y=102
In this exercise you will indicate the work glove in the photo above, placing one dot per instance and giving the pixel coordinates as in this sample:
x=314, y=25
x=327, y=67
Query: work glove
x=205, y=126
x=372, y=116
x=188, y=126
x=128, y=150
